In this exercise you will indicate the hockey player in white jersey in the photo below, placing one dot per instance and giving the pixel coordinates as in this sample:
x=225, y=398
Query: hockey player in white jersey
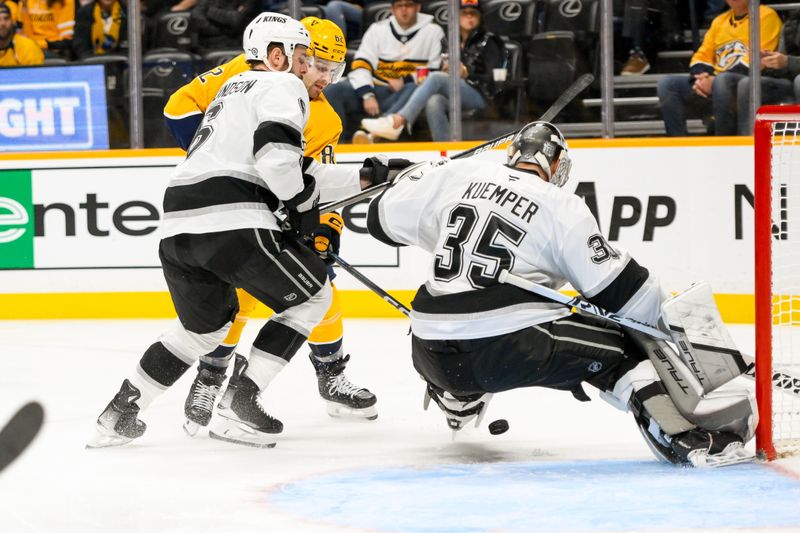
x=474, y=336
x=220, y=232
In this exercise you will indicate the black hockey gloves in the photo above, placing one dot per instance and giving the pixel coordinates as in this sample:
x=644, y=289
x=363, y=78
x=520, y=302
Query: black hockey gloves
x=303, y=209
x=327, y=235
x=379, y=169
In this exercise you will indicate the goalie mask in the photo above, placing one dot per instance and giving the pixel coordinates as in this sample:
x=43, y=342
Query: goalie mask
x=542, y=144
x=268, y=28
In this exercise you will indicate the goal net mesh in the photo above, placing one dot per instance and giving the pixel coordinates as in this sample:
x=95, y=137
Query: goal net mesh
x=785, y=214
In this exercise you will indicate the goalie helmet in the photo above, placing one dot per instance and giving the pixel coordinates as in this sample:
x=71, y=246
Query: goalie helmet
x=542, y=144
x=268, y=28
x=328, y=46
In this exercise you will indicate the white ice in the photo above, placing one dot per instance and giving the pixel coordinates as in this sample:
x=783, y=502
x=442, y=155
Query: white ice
x=579, y=466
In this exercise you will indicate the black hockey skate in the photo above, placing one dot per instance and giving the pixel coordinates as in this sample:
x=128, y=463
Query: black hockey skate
x=702, y=448
x=119, y=423
x=241, y=418
x=199, y=405
x=343, y=399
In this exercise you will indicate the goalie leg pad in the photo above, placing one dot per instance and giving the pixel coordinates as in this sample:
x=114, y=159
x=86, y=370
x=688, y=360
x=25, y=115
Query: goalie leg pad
x=704, y=344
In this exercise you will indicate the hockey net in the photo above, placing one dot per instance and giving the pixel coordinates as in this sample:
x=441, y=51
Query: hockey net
x=777, y=279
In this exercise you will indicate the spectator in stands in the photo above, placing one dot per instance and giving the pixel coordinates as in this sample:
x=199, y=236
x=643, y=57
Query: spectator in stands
x=383, y=71
x=780, y=77
x=345, y=14
x=13, y=8
x=715, y=70
x=481, y=53
x=99, y=27
x=15, y=49
x=219, y=23
x=639, y=30
x=51, y=23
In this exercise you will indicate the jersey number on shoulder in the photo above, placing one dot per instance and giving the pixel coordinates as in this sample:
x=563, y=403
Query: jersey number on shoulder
x=602, y=250
x=205, y=130
x=462, y=220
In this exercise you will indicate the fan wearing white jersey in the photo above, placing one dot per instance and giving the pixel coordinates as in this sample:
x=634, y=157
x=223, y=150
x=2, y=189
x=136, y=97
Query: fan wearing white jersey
x=474, y=336
x=220, y=232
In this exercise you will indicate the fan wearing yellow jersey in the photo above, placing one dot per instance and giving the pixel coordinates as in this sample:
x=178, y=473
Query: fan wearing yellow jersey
x=183, y=114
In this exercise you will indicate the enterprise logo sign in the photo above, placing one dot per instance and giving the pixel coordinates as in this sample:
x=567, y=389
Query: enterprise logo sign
x=55, y=108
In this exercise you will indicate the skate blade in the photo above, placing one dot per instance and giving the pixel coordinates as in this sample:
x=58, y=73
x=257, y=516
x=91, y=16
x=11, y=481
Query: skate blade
x=733, y=454
x=191, y=428
x=104, y=438
x=337, y=410
x=236, y=432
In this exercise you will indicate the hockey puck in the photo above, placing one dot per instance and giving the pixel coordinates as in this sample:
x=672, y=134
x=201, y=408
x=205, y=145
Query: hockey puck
x=498, y=427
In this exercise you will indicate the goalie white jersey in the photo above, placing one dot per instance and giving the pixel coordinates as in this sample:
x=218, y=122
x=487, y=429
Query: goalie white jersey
x=477, y=218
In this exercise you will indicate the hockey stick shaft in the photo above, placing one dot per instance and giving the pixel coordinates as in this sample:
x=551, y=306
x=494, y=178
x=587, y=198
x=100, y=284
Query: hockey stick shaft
x=552, y=112
x=385, y=296
x=780, y=380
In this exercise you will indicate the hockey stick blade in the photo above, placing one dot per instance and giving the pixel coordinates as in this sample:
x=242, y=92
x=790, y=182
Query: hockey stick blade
x=19, y=432
x=780, y=380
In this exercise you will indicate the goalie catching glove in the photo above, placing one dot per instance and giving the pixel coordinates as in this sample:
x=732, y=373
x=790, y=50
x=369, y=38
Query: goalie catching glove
x=327, y=235
x=458, y=410
x=380, y=169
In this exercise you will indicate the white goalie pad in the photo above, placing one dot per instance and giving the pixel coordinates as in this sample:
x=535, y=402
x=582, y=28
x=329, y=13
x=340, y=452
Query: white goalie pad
x=703, y=343
x=728, y=410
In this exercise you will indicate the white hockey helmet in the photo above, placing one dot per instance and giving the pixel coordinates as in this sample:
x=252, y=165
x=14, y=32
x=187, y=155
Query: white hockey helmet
x=268, y=28
x=543, y=144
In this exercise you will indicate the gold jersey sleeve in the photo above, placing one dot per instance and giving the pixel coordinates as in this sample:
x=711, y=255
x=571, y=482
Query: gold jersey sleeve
x=195, y=97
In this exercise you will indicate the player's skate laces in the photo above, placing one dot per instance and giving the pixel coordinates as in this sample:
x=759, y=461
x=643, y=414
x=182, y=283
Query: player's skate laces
x=119, y=424
x=701, y=448
x=343, y=398
x=241, y=418
x=199, y=404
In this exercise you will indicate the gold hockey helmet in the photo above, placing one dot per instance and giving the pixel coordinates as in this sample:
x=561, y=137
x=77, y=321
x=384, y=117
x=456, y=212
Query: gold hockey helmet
x=328, y=46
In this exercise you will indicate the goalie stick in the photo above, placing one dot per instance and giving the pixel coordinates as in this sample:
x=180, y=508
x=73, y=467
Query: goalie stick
x=552, y=112
x=19, y=432
x=780, y=380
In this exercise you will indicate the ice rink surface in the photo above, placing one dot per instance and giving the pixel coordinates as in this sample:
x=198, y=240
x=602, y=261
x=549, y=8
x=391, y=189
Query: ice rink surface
x=563, y=466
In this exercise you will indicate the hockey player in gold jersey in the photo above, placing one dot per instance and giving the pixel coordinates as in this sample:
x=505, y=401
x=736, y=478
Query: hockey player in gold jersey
x=183, y=114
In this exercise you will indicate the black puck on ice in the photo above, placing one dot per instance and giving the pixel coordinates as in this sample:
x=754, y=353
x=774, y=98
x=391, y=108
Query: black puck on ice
x=498, y=427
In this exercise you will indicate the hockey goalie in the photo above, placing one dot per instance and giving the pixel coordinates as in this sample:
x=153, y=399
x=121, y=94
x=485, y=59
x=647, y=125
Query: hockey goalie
x=474, y=335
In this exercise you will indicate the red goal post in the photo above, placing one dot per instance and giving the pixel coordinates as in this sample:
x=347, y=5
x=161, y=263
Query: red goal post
x=777, y=275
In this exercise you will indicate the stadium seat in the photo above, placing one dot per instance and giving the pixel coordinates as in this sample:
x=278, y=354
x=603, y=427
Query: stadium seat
x=554, y=62
x=375, y=11
x=307, y=11
x=172, y=31
x=163, y=72
x=512, y=18
x=50, y=61
x=440, y=11
x=218, y=57
x=581, y=18
x=515, y=76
